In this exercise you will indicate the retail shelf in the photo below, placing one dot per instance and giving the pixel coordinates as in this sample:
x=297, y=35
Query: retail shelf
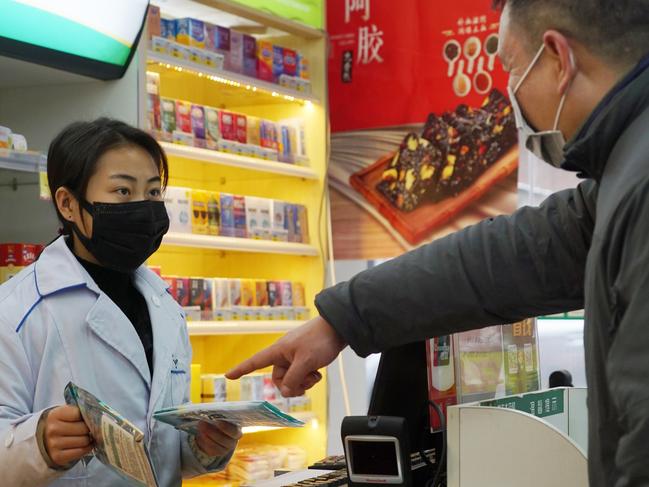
x=240, y=327
x=264, y=18
x=245, y=83
x=223, y=158
x=239, y=244
x=304, y=417
x=22, y=161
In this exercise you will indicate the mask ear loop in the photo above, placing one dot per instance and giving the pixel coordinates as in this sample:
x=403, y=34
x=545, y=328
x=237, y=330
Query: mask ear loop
x=530, y=67
x=563, y=98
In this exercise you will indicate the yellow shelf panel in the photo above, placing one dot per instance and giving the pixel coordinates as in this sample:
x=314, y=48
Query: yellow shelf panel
x=233, y=160
x=239, y=244
x=258, y=91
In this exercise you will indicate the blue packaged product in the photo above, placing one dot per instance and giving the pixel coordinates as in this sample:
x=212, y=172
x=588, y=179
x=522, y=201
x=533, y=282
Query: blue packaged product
x=227, y=215
x=168, y=29
x=278, y=63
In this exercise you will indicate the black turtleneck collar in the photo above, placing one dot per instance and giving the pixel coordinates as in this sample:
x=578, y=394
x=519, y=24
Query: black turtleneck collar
x=590, y=149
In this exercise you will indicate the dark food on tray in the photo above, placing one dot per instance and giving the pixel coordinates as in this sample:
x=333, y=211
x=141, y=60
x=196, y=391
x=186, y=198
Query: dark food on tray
x=453, y=151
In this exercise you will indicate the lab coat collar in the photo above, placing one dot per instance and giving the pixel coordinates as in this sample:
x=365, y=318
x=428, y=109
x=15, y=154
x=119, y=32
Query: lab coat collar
x=57, y=269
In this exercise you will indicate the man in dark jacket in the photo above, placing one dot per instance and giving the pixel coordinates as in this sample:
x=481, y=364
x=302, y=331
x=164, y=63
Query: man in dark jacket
x=579, y=70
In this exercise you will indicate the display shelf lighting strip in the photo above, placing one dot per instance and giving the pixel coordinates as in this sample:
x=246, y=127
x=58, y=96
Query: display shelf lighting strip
x=182, y=67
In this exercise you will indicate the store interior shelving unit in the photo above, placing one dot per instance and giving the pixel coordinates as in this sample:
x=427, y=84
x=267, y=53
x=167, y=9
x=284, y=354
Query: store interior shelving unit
x=220, y=345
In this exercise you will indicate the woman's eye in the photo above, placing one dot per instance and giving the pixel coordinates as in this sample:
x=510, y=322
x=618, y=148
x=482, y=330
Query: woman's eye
x=123, y=191
x=156, y=193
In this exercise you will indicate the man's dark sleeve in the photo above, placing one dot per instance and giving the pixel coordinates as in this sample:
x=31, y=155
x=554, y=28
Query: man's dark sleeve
x=499, y=271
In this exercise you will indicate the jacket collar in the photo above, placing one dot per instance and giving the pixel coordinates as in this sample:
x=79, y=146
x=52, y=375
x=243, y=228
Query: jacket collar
x=57, y=269
x=591, y=148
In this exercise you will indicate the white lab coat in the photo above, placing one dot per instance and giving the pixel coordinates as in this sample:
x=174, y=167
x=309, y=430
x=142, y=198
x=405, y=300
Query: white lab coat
x=57, y=326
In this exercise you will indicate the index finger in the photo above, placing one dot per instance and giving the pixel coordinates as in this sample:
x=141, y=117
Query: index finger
x=265, y=358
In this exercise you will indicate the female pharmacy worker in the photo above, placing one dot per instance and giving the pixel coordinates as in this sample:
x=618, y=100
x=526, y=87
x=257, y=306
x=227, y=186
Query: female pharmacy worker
x=88, y=311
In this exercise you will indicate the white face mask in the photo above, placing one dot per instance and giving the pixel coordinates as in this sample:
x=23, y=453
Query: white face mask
x=547, y=145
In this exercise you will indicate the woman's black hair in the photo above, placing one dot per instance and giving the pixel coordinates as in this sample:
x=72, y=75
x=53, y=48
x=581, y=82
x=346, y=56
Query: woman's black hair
x=73, y=155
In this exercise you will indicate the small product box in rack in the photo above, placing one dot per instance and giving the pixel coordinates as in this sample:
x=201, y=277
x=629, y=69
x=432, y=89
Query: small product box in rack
x=249, y=56
x=241, y=123
x=248, y=293
x=168, y=29
x=303, y=67
x=213, y=213
x=15, y=257
x=221, y=293
x=183, y=291
x=253, y=217
x=274, y=293
x=235, y=292
x=200, y=222
x=190, y=32
x=290, y=62
x=261, y=288
x=299, y=296
x=252, y=129
x=168, y=118
x=171, y=283
x=178, y=204
x=265, y=61
x=212, y=130
x=265, y=219
x=278, y=63
x=239, y=209
x=291, y=222
x=286, y=289
x=279, y=233
x=217, y=40
x=236, y=52
x=227, y=215
x=183, y=117
x=198, y=125
x=227, y=125
x=303, y=224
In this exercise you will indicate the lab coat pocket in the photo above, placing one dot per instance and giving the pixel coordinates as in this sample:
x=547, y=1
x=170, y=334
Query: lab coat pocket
x=179, y=378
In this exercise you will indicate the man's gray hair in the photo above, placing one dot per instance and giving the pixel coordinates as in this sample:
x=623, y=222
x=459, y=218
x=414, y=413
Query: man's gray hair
x=617, y=31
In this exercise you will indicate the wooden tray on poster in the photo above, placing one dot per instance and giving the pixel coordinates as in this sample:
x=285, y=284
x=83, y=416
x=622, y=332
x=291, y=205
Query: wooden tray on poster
x=416, y=225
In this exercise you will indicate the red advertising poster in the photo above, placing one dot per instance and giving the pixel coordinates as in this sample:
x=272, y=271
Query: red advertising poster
x=424, y=138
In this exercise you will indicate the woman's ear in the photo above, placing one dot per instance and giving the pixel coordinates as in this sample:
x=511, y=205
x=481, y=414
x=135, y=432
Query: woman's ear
x=66, y=203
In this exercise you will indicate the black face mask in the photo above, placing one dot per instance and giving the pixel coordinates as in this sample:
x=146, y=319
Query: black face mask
x=124, y=235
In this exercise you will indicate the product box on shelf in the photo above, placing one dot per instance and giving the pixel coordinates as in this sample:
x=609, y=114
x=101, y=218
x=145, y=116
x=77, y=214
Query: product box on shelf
x=217, y=39
x=200, y=222
x=261, y=291
x=287, y=144
x=227, y=125
x=190, y=32
x=249, y=56
x=248, y=293
x=265, y=219
x=236, y=52
x=235, y=292
x=153, y=21
x=252, y=387
x=268, y=135
x=168, y=114
x=213, y=213
x=253, y=218
x=265, y=60
x=168, y=29
x=303, y=224
x=274, y=293
x=213, y=388
x=171, y=283
x=227, y=215
x=178, y=204
x=290, y=62
x=303, y=67
x=196, y=292
x=198, y=125
x=241, y=123
x=299, y=296
x=278, y=63
x=212, y=130
x=286, y=289
x=291, y=222
x=154, y=114
x=183, y=291
x=183, y=116
x=152, y=83
x=239, y=209
x=252, y=129
x=221, y=293
x=279, y=232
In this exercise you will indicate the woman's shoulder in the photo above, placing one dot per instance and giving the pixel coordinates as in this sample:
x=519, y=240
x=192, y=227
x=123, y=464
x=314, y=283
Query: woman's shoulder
x=18, y=296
